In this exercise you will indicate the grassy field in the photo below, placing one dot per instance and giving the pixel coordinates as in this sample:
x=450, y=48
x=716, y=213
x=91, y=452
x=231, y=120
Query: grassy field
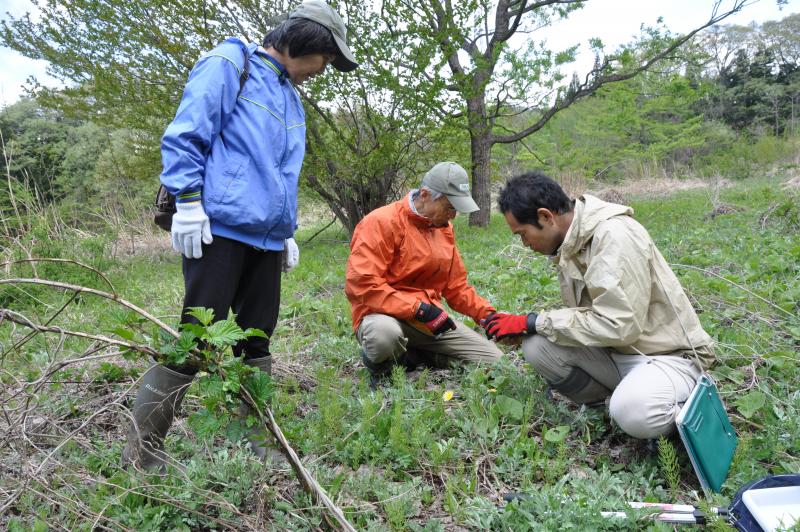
x=403, y=458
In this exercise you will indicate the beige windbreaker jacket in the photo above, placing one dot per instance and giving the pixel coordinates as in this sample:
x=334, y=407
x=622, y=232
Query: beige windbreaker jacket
x=618, y=289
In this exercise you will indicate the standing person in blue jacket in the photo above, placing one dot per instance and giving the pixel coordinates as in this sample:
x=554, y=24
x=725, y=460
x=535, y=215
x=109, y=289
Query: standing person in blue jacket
x=232, y=157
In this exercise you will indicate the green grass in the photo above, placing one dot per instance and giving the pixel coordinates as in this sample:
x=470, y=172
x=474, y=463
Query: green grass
x=403, y=458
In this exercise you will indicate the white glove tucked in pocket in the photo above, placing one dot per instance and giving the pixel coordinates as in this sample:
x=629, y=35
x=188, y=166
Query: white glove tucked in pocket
x=291, y=255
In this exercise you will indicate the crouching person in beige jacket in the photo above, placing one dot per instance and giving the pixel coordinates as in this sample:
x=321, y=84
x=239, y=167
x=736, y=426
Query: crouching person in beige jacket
x=627, y=330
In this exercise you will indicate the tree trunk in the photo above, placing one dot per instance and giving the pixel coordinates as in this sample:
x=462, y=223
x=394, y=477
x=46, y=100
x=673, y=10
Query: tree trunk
x=481, y=151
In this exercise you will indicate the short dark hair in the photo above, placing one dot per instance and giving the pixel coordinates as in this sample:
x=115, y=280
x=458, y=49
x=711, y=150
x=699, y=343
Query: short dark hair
x=301, y=36
x=526, y=193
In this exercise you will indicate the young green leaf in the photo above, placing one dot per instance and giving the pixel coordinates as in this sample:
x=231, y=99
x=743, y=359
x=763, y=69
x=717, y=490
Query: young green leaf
x=557, y=434
x=259, y=386
x=204, y=315
x=510, y=407
x=224, y=333
x=751, y=403
x=205, y=424
x=255, y=332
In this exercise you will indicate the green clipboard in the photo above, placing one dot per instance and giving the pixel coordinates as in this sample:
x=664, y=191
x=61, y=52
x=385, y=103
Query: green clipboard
x=707, y=434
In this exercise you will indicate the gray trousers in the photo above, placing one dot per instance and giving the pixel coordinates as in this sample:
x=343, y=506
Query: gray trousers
x=386, y=338
x=647, y=391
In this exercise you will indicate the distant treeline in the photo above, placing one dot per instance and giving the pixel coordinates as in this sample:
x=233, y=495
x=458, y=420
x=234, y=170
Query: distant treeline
x=728, y=102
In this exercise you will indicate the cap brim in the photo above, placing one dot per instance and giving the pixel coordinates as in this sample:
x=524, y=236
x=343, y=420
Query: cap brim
x=463, y=204
x=344, y=62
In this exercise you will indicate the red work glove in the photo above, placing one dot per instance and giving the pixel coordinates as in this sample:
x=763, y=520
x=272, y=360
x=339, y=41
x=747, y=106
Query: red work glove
x=435, y=319
x=500, y=326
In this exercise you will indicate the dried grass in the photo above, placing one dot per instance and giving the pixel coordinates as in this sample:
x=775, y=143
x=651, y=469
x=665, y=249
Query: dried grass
x=793, y=183
x=653, y=188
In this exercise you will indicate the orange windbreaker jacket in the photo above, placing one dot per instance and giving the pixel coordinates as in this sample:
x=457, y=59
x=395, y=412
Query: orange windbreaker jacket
x=397, y=259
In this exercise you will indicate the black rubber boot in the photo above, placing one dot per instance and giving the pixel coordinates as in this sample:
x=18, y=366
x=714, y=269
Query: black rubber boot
x=259, y=437
x=436, y=360
x=413, y=359
x=581, y=388
x=159, y=397
x=378, y=372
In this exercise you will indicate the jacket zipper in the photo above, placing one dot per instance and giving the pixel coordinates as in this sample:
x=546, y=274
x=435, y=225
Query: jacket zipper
x=283, y=160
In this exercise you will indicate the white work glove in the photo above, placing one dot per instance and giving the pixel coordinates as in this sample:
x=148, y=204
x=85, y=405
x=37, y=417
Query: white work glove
x=291, y=255
x=190, y=227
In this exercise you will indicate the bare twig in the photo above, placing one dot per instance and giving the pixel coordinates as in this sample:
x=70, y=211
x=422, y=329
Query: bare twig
x=308, y=482
x=740, y=287
x=66, y=261
x=15, y=317
x=100, y=293
x=315, y=235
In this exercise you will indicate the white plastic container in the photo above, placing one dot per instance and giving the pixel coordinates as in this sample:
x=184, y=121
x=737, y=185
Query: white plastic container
x=774, y=508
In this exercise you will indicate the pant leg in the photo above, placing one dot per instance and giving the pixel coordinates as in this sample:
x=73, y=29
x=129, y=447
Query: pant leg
x=556, y=362
x=257, y=300
x=211, y=282
x=461, y=345
x=381, y=337
x=647, y=401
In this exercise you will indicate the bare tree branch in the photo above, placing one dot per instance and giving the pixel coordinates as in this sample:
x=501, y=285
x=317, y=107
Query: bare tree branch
x=10, y=315
x=591, y=85
x=106, y=295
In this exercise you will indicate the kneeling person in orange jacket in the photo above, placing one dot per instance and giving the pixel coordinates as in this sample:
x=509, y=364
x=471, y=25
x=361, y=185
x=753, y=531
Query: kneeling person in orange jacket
x=403, y=260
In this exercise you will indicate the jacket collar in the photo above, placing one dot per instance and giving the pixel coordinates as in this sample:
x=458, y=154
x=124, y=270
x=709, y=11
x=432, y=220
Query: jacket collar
x=416, y=219
x=589, y=212
x=273, y=64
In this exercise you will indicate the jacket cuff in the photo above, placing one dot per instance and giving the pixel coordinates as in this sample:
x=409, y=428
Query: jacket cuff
x=188, y=197
x=531, y=323
x=414, y=310
x=486, y=313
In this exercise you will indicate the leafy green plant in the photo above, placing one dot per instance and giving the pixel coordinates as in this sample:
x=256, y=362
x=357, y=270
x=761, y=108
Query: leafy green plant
x=668, y=465
x=224, y=380
x=556, y=437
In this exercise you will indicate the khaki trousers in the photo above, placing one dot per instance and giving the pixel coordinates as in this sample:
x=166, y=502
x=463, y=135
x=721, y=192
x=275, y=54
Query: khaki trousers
x=386, y=338
x=647, y=391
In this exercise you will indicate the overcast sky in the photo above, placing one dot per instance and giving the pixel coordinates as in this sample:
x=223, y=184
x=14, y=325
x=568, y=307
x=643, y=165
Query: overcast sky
x=613, y=21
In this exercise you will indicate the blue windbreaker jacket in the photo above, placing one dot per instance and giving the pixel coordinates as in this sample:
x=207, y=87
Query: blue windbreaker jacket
x=242, y=155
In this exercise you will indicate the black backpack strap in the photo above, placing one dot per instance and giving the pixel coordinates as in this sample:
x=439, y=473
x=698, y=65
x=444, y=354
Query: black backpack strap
x=245, y=69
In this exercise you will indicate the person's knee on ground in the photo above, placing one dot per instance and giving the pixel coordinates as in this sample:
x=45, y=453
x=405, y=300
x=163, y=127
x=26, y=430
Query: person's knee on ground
x=570, y=381
x=647, y=401
x=536, y=352
x=380, y=351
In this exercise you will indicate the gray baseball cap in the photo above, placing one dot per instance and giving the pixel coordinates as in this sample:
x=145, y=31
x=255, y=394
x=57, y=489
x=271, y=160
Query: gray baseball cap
x=452, y=181
x=325, y=15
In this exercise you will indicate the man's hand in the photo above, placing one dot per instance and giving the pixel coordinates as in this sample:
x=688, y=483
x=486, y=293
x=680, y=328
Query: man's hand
x=291, y=255
x=500, y=326
x=190, y=228
x=435, y=319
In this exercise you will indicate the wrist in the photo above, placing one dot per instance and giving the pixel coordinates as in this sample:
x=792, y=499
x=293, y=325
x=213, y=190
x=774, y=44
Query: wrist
x=189, y=206
x=530, y=323
x=188, y=197
x=421, y=310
